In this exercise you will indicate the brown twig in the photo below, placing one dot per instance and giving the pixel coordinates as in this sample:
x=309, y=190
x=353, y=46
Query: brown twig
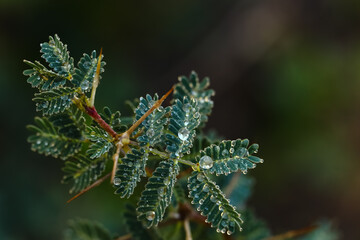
x=91, y=111
x=96, y=183
x=293, y=233
x=116, y=159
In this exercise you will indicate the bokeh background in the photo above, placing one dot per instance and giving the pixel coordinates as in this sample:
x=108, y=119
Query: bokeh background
x=286, y=75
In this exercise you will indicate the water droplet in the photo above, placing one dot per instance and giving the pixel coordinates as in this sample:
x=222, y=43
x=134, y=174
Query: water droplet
x=200, y=177
x=244, y=171
x=206, y=162
x=150, y=133
x=212, y=198
x=38, y=142
x=201, y=201
x=161, y=192
x=206, y=188
x=183, y=134
x=224, y=215
x=45, y=104
x=225, y=153
x=218, y=230
x=186, y=107
x=231, y=150
x=166, y=181
x=117, y=181
x=223, y=230
x=233, y=143
x=85, y=85
x=150, y=215
x=228, y=232
x=197, y=115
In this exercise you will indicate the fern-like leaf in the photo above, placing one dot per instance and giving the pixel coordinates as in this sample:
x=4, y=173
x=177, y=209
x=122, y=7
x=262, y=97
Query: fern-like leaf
x=135, y=227
x=49, y=142
x=192, y=87
x=130, y=171
x=157, y=194
x=54, y=101
x=231, y=156
x=41, y=77
x=85, y=73
x=82, y=229
x=82, y=171
x=185, y=118
x=71, y=123
x=209, y=199
x=57, y=55
x=113, y=119
x=102, y=142
x=152, y=127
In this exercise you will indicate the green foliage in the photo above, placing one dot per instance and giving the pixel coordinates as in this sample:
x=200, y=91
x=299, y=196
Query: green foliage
x=209, y=199
x=82, y=229
x=86, y=70
x=157, y=194
x=137, y=230
x=193, y=88
x=47, y=140
x=82, y=171
x=130, y=171
x=73, y=130
x=231, y=156
x=185, y=118
x=152, y=127
x=101, y=142
x=54, y=101
x=57, y=55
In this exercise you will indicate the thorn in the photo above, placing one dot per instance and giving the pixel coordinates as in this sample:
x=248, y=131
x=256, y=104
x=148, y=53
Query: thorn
x=96, y=183
x=116, y=159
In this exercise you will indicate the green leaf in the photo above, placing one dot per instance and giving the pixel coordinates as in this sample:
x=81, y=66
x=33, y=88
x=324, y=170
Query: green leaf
x=185, y=118
x=157, y=194
x=82, y=229
x=130, y=171
x=83, y=171
x=135, y=227
x=211, y=202
x=193, y=88
x=57, y=55
x=231, y=156
x=85, y=73
x=43, y=78
x=113, y=119
x=71, y=123
x=102, y=142
x=49, y=142
x=54, y=101
x=153, y=125
x=178, y=195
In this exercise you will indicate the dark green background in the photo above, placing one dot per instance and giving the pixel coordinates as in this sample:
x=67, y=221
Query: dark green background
x=286, y=73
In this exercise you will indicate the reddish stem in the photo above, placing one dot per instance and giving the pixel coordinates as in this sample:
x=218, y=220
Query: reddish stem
x=91, y=111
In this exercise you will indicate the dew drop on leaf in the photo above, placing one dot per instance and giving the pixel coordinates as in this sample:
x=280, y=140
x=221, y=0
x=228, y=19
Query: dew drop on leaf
x=150, y=215
x=206, y=162
x=183, y=134
x=117, y=181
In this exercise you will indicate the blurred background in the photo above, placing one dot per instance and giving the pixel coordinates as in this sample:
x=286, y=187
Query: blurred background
x=286, y=75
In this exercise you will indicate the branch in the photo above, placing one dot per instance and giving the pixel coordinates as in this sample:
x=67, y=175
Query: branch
x=91, y=111
x=293, y=233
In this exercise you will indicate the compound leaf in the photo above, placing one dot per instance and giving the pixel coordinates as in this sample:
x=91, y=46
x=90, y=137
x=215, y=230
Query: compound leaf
x=193, y=88
x=49, y=142
x=113, y=119
x=85, y=73
x=211, y=202
x=157, y=194
x=135, y=227
x=82, y=229
x=185, y=118
x=82, y=171
x=54, y=101
x=102, y=142
x=231, y=156
x=57, y=55
x=152, y=127
x=130, y=171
